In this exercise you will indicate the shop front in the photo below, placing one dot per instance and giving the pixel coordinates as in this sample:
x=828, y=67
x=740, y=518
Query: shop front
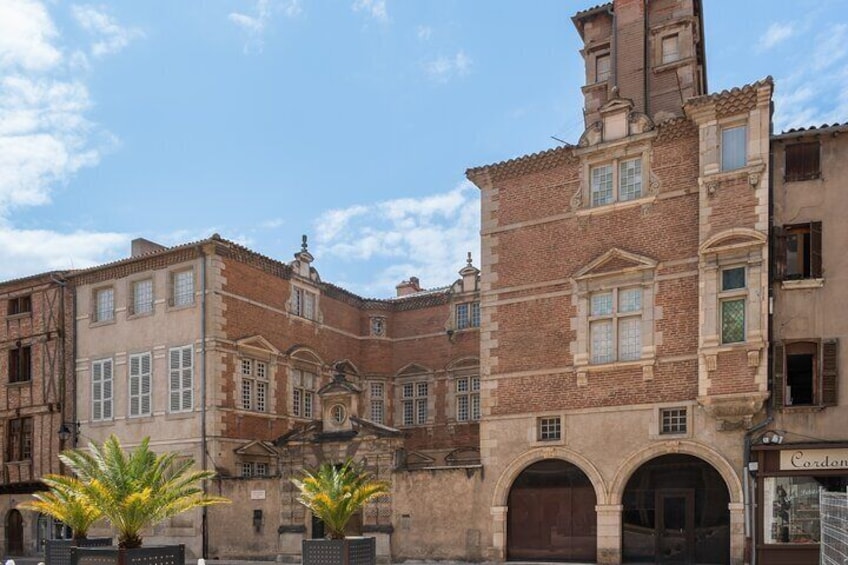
x=789, y=479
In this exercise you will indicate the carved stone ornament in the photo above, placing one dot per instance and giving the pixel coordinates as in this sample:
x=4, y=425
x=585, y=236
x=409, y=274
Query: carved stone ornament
x=647, y=372
x=655, y=183
x=712, y=186
x=754, y=179
x=582, y=379
x=640, y=122
x=754, y=358
x=577, y=199
x=592, y=135
x=710, y=361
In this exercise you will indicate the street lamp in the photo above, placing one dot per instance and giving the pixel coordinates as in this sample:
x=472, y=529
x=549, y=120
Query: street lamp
x=68, y=430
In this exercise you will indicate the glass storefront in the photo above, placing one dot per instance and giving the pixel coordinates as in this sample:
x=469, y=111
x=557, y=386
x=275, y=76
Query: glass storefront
x=791, y=507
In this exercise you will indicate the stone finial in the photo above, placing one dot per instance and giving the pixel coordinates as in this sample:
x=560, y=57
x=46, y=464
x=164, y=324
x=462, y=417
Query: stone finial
x=468, y=261
x=303, y=245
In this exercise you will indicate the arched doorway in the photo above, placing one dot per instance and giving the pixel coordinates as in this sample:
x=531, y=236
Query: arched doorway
x=676, y=512
x=551, y=514
x=14, y=533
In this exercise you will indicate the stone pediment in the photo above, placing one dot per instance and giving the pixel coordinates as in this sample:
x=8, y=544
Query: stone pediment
x=364, y=426
x=616, y=105
x=415, y=459
x=736, y=238
x=615, y=261
x=300, y=434
x=256, y=344
x=256, y=448
x=305, y=354
x=413, y=369
x=345, y=366
x=339, y=385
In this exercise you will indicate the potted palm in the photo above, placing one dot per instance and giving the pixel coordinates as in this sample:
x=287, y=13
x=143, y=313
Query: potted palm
x=334, y=494
x=134, y=491
x=63, y=502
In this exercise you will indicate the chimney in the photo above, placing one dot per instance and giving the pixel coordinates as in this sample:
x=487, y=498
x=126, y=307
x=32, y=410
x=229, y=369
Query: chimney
x=141, y=246
x=408, y=287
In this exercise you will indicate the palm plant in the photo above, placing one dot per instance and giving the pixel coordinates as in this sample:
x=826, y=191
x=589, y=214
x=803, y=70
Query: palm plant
x=139, y=489
x=65, y=503
x=334, y=493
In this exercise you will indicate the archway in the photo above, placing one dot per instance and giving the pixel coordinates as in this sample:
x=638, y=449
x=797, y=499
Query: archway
x=552, y=514
x=14, y=533
x=675, y=511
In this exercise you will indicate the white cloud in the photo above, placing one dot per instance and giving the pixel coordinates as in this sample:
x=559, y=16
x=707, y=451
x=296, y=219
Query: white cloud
x=776, y=33
x=425, y=237
x=424, y=33
x=26, y=252
x=374, y=8
x=111, y=36
x=45, y=138
x=816, y=92
x=443, y=69
x=256, y=23
x=26, y=35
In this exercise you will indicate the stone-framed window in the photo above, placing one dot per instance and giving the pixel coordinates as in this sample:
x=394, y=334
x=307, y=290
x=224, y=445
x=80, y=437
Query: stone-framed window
x=141, y=297
x=734, y=147
x=377, y=401
x=182, y=288
x=615, y=325
x=415, y=403
x=254, y=385
x=103, y=299
x=670, y=48
x=467, y=390
x=674, y=420
x=467, y=315
x=253, y=469
x=733, y=304
x=549, y=428
x=304, y=383
x=615, y=181
x=304, y=303
x=101, y=390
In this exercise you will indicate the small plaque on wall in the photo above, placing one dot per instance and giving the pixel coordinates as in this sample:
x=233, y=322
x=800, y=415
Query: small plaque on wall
x=257, y=495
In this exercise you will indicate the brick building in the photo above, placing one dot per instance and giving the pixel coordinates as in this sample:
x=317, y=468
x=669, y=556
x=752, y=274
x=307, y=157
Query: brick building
x=257, y=369
x=36, y=401
x=625, y=307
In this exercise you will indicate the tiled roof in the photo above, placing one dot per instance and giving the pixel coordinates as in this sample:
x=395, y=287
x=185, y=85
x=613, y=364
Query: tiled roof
x=824, y=128
x=592, y=10
x=535, y=161
x=34, y=278
x=730, y=93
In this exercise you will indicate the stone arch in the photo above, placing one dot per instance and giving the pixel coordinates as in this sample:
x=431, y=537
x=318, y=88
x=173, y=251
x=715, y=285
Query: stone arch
x=465, y=362
x=515, y=468
x=731, y=239
x=632, y=463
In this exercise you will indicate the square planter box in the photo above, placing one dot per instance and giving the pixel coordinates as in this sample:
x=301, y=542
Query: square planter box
x=153, y=555
x=58, y=551
x=348, y=551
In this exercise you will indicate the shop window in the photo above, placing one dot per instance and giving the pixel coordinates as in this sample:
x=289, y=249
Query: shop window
x=803, y=161
x=734, y=148
x=549, y=428
x=791, y=510
x=798, y=253
x=805, y=373
x=19, y=305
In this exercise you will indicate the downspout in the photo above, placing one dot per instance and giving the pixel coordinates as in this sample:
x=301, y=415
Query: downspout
x=203, y=456
x=614, y=49
x=646, y=67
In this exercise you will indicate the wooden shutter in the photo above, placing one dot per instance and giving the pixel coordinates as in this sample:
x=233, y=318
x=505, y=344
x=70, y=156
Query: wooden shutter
x=174, y=379
x=135, y=384
x=187, y=378
x=830, y=372
x=146, y=370
x=107, y=390
x=777, y=374
x=97, y=391
x=816, y=250
x=778, y=254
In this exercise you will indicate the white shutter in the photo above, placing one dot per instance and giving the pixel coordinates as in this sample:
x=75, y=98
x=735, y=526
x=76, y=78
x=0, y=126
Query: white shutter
x=146, y=370
x=174, y=379
x=107, y=390
x=187, y=378
x=96, y=391
x=135, y=384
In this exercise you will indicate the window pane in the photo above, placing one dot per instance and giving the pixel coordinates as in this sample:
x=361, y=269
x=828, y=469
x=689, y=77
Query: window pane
x=462, y=320
x=602, y=342
x=377, y=411
x=143, y=297
x=475, y=314
x=602, y=304
x=407, y=413
x=601, y=185
x=791, y=510
x=602, y=68
x=733, y=321
x=105, y=305
x=669, y=49
x=733, y=278
x=630, y=300
x=630, y=339
x=183, y=288
x=733, y=152
x=630, y=179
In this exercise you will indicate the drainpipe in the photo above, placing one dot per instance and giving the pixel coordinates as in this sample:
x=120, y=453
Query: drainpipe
x=614, y=49
x=646, y=65
x=203, y=457
x=750, y=534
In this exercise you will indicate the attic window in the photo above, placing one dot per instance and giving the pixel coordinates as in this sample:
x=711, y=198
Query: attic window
x=603, y=67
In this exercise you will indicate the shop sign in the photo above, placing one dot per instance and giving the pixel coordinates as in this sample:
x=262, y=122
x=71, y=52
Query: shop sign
x=813, y=459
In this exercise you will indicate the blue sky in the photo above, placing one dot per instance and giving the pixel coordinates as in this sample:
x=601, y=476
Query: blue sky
x=352, y=121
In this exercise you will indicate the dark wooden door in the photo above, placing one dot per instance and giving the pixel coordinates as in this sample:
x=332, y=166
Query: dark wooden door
x=14, y=533
x=552, y=523
x=675, y=526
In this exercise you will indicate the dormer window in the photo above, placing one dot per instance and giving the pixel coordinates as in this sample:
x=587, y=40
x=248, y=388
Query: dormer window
x=304, y=303
x=618, y=181
x=468, y=315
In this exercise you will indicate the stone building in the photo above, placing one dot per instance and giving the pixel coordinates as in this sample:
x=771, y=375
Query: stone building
x=802, y=446
x=625, y=308
x=258, y=369
x=36, y=399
